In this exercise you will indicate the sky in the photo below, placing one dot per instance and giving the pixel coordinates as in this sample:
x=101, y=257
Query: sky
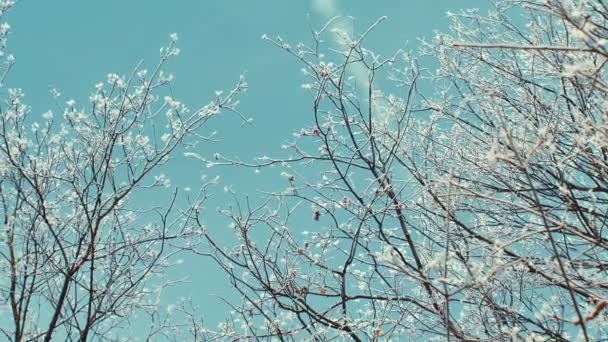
x=73, y=44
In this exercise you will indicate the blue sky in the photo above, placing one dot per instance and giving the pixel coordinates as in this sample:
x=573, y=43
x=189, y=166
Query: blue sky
x=73, y=44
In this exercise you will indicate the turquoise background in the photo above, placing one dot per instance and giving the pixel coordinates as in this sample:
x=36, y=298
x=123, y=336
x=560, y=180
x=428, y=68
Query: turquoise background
x=73, y=44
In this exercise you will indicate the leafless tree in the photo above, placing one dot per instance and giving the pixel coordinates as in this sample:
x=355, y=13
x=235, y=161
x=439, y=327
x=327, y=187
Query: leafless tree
x=467, y=203
x=82, y=257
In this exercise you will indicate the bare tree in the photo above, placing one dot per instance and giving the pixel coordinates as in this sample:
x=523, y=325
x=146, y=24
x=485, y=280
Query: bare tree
x=467, y=203
x=82, y=257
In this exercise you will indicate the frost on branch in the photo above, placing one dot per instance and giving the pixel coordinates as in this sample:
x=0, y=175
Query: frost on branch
x=82, y=258
x=473, y=212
